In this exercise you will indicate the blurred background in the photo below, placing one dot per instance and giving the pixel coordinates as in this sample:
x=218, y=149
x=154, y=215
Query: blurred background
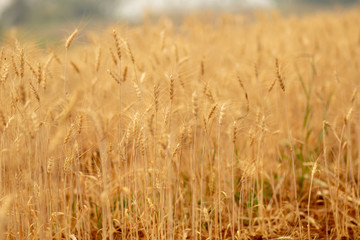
x=53, y=18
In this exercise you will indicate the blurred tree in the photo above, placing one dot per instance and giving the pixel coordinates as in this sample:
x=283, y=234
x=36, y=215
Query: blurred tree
x=331, y=2
x=318, y=2
x=72, y=9
x=44, y=11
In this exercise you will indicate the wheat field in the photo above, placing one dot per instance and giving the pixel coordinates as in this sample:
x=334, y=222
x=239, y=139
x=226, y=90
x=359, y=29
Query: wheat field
x=225, y=128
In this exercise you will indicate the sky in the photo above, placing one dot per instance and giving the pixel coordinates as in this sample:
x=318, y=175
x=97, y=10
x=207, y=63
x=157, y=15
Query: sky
x=3, y=4
x=135, y=8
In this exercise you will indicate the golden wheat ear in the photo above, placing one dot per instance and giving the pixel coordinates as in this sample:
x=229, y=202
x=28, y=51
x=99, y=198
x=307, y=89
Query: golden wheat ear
x=71, y=38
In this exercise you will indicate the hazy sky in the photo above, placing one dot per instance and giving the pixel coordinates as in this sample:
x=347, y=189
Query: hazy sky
x=135, y=8
x=3, y=3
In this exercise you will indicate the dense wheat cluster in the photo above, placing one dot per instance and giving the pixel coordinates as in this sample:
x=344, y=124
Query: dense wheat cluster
x=215, y=129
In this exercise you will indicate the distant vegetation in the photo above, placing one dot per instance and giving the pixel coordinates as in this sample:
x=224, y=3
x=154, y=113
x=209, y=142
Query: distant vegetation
x=43, y=12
